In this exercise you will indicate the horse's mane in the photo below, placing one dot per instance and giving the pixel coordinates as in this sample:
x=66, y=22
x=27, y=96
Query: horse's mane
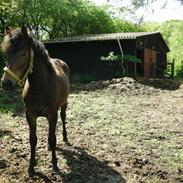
x=41, y=51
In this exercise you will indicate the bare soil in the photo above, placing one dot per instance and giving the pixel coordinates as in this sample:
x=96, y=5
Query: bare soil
x=120, y=131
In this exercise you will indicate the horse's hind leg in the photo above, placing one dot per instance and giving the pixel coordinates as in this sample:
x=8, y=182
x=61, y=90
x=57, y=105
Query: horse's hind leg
x=52, y=139
x=33, y=142
x=63, y=117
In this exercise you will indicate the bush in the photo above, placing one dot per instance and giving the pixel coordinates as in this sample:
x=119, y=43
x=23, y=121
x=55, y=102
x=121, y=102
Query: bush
x=2, y=58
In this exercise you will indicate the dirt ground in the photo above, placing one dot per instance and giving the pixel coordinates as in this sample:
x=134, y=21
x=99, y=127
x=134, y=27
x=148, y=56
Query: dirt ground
x=119, y=130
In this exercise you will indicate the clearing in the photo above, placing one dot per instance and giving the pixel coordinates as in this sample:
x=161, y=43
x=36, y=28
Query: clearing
x=120, y=131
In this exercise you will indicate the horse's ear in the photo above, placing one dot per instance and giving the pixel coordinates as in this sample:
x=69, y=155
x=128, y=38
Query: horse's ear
x=7, y=30
x=24, y=31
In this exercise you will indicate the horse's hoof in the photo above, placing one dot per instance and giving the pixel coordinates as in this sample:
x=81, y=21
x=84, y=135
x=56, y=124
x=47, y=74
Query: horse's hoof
x=31, y=172
x=55, y=170
x=67, y=143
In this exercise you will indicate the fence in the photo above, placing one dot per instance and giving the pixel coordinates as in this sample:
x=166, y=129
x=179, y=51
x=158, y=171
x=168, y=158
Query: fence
x=167, y=69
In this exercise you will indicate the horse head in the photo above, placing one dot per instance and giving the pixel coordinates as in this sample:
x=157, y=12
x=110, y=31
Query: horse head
x=17, y=45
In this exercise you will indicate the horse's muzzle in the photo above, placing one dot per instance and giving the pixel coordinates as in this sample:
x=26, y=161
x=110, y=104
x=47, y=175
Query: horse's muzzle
x=7, y=84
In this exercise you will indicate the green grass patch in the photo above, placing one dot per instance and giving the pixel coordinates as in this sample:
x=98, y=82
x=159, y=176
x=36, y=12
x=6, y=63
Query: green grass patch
x=10, y=101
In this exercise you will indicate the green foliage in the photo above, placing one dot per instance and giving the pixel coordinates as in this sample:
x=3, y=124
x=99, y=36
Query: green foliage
x=120, y=74
x=128, y=58
x=56, y=18
x=5, y=105
x=61, y=18
x=125, y=26
x=10, y=101
x=179, y=70
x=111, y=57
x=7, y=14
x=172, y=33
x=87, y=78
x=132, y=58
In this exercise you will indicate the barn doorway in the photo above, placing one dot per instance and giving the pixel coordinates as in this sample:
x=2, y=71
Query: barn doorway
x=149, y=63
x=140, y=66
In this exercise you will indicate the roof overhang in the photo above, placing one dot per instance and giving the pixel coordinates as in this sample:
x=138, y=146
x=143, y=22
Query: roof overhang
x=155, y=39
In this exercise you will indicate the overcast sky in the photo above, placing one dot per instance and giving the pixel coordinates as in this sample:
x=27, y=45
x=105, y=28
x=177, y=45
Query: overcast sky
x=172, y=10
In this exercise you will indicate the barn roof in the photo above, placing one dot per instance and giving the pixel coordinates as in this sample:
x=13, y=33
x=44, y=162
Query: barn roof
x=95, y=37
x=113, y=36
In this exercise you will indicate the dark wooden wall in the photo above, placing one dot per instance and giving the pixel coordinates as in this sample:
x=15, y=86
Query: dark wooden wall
x=84, y=57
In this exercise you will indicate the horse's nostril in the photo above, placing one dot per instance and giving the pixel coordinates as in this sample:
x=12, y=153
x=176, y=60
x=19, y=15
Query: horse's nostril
x=7, y=84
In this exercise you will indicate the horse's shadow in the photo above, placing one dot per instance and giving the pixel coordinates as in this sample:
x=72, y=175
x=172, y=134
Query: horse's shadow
x=84, y=168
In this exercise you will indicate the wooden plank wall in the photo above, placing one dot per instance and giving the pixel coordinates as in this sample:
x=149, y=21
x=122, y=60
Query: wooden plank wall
x=149, y=63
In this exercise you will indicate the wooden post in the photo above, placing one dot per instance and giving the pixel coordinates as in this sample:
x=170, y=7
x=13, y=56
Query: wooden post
x=122, y=55
x=135, y=68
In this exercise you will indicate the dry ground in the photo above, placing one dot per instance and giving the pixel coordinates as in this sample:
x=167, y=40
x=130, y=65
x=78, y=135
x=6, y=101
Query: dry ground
x=119, y=130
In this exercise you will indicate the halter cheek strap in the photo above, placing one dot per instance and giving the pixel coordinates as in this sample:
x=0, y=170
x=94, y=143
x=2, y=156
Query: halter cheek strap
x=21, y=81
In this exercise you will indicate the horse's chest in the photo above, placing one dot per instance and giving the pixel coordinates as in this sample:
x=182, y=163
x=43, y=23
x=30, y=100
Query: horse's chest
x=41, y=104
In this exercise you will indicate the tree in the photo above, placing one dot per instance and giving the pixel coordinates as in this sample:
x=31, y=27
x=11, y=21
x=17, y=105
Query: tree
x=7, y=14
x=172, y=33
x=129, y=10
x=58, y=18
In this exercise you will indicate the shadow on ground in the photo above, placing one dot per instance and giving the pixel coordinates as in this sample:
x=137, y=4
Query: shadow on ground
x=164, y=84
x=84, y=168
x=81, y=168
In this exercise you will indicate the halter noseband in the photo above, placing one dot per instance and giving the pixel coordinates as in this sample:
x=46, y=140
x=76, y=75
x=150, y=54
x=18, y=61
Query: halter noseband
x=21, y=81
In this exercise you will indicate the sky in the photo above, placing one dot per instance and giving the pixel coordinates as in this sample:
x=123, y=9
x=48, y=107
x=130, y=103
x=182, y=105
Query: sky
x=172, y=10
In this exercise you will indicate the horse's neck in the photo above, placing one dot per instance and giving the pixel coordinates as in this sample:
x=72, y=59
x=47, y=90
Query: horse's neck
x=39, y=76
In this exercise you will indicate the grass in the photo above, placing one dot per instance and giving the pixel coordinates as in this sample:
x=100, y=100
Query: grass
x=126, y=129
x=10, y=102
x=142, y=128
x=4, y=106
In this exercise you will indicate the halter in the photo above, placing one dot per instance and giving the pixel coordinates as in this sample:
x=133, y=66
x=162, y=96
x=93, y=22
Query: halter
x=21, y=81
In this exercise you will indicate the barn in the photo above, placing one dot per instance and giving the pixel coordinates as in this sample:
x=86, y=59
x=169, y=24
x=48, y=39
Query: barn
x=83, y=54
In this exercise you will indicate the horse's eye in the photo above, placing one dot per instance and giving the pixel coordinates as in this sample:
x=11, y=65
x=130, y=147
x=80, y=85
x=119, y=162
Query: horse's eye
x=22, y=54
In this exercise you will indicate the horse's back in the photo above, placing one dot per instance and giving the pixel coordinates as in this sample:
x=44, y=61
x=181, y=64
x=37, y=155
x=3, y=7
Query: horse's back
x=60, y=66
x=62, y=81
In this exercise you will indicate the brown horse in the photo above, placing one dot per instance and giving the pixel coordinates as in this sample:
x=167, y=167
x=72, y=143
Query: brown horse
x=46, y=85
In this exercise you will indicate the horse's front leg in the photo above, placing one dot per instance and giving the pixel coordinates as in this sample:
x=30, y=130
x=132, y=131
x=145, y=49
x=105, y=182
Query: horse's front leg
x=52, y=139
x=33, y=142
